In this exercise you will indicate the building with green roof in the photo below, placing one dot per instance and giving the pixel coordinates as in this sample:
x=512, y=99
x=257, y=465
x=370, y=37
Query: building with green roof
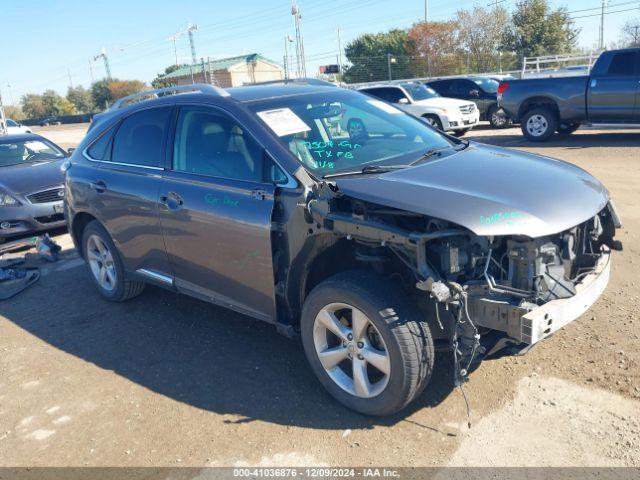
x=227, y=72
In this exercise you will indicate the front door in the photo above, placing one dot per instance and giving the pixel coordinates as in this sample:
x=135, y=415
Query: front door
x=215, y=210
x=612, y=93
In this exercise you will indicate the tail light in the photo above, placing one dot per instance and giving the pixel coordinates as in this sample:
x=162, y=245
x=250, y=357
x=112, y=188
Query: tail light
x=503, y=87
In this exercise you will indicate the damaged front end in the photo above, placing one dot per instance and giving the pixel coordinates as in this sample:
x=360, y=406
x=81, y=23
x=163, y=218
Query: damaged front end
x=512, y=289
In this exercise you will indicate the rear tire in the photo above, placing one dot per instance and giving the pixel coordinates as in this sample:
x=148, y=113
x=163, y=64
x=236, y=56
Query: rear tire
x=539, y=124
x=387, y=334
x=105, y=266
x=498, y=118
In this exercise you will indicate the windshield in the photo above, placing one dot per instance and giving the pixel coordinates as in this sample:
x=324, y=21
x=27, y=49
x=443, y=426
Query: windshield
x=342, y=130
x=31, y=150
x=418, y=91
x=11, y=123
x=487, y=84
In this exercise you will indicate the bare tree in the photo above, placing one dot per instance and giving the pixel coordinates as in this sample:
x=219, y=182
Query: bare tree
x=481, y=33
x=631, y=33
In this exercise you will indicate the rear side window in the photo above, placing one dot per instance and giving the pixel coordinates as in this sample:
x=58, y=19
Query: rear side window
x=101, y=148
x=623, y=63
x=392, y=95
x=140, y=138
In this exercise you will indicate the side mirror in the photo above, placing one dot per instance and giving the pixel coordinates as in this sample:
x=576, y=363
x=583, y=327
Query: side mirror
x=71, y=150
x=404, y=101
x=475, y=93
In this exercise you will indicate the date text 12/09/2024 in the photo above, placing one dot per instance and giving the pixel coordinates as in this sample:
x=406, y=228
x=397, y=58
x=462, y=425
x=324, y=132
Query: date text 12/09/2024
x=316, y=472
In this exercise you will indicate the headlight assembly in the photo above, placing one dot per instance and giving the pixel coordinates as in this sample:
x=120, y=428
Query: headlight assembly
x=7, y=200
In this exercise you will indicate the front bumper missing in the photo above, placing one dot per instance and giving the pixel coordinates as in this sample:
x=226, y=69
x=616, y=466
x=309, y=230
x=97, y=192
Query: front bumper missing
x=530, y=325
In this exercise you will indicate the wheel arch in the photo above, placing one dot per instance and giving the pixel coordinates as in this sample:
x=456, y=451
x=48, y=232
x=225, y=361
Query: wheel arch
x=78, y=224
x=538, y=101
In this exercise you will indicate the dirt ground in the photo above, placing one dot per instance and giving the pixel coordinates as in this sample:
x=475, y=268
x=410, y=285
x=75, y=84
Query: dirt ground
x=168, y=380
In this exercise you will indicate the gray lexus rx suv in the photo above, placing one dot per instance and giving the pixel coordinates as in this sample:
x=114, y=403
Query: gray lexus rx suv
x=375, y=246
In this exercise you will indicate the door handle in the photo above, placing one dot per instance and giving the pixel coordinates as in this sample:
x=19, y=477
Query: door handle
x=99, y=186
x=172, y=200
x=258, y=194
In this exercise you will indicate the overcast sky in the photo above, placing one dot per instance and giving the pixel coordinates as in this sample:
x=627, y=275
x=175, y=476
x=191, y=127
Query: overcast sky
x=43, y=40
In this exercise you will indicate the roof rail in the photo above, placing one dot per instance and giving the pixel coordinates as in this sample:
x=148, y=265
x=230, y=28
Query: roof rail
x=301, y=81
x=197, y=87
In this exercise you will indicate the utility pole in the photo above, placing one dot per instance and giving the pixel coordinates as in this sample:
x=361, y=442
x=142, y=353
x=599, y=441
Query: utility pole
x=103, y=55
x=69, y=75
x=3, y=119
x=174, y=38
x=339, y=52
x=426, y=11
x=495, y=4
x=636, y=40
x=603, y=3
x=91, y=71
x=390, y=60
x=190, y=29
x=300, y=60
x=287, y=62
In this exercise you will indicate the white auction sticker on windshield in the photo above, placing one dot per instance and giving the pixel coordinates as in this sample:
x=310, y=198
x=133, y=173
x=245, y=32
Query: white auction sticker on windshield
x=36, y=146
x=283, y=121
x=384, y=106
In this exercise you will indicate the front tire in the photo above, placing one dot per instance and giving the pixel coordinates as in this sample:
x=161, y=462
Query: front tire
x=460, y=133
x=367, y=344
x=433, y=120
x=539, y=124
x=105, y=266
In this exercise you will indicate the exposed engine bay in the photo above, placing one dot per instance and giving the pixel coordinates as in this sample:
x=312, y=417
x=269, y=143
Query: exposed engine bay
x=470, y=285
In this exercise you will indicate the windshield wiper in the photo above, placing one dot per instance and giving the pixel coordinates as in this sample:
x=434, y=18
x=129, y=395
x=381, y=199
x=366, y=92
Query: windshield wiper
x=428, y=154
x=367, y=170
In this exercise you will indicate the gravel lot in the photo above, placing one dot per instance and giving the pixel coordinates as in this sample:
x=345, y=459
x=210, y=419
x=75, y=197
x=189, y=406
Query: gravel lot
x=169, y=380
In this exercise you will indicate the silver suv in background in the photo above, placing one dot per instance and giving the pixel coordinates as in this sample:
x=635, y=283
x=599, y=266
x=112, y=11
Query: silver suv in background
x=446, y=114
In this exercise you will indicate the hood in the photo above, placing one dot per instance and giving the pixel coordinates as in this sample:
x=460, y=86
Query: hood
x=489, y=190
x=31, y=177
x=443, y=102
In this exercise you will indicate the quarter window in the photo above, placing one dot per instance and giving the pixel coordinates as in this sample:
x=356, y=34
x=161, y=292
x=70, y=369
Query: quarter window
x=209, y=142
x=101, y=148
x=140, y=138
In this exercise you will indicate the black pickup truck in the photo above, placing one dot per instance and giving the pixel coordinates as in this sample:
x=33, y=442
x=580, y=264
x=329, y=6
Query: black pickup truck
x=610, y=95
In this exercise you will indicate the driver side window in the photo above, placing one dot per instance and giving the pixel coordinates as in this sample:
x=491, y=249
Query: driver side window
x=209, y=142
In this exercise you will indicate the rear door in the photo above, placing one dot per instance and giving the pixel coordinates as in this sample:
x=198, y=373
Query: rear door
x=215, y=209
x=124, y=189
x=613, y=88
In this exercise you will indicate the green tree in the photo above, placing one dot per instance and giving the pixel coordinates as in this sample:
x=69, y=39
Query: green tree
x=122, y=88
x=434, y=48
x=81, y=99
x=158, y=82
x=100, y=94
x=481, y=32
x=55, y=105
x=537, y=30
x=14, y=113
x=371, y=54
x=32, y=105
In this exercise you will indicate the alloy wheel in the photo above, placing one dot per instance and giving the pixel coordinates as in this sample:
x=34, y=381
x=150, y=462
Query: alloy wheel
x=351, y=350
x=537, y=125
x=101, y=263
